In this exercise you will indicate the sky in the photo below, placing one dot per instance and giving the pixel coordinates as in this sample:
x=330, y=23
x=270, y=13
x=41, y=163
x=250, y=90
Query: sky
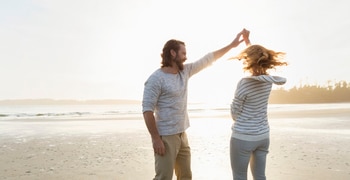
x=106, y=49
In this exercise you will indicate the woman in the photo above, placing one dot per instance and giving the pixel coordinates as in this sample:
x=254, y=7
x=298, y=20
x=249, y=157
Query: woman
x=250, y=130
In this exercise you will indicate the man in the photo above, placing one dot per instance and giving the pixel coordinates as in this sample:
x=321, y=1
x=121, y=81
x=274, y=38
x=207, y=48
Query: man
x=164, y=107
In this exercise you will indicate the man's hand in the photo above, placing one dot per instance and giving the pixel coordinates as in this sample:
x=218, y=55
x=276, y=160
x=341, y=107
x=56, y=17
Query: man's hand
x=237, y=40
x=158, y=146
x=219, y=53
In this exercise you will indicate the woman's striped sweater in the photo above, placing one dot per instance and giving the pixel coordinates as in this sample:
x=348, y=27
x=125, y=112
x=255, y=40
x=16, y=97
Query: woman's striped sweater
x=249, y=107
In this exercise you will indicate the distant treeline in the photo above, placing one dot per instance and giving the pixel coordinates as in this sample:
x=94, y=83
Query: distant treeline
x=337, y=93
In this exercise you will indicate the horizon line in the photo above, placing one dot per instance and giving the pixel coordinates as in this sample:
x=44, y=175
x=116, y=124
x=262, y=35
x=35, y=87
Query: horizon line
x=66, y=101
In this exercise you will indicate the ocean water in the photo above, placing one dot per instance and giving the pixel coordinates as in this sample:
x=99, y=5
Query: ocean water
x=309, y=143
x=132, y=111
x=9, y=112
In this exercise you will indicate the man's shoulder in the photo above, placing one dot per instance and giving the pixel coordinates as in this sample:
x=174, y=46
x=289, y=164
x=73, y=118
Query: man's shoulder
x=157, y=72
x=156, y=75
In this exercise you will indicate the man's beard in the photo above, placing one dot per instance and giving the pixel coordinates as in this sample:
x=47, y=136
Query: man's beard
x=179, y=63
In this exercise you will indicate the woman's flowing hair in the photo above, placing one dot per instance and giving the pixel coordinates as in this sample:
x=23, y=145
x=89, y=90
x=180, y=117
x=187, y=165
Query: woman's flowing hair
x=258, y=59
x=166, y=55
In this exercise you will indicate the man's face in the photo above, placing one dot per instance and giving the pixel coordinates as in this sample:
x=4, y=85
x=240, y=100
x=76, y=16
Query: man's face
x=180, y=57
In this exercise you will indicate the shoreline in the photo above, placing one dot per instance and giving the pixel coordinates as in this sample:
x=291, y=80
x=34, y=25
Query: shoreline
x=282, y=114
x=316, y=146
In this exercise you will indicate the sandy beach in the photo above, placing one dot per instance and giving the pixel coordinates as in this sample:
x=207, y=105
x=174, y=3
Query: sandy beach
x=305, y=145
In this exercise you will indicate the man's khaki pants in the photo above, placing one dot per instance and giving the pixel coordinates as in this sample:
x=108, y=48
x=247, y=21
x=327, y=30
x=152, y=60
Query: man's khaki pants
x=177, y=156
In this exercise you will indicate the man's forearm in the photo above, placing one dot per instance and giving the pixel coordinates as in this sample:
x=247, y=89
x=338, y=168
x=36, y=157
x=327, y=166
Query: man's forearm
x=151, y=124
x=219, y=53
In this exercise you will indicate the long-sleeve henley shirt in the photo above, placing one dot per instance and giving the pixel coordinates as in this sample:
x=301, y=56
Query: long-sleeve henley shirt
x=165, y=94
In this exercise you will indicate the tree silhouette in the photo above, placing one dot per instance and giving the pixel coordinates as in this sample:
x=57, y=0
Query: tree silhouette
x=337, y=93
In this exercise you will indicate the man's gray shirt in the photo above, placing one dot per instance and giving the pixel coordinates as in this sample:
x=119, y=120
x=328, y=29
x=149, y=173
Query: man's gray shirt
x=165, y=94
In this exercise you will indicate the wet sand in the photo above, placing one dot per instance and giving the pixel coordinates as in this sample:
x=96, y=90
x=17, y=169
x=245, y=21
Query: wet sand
x=304, y=145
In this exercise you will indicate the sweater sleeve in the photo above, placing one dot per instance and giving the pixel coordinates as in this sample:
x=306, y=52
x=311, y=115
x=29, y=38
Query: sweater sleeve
x=238, y=101
x=272, y=79
x=200, y=64
x=152, y=90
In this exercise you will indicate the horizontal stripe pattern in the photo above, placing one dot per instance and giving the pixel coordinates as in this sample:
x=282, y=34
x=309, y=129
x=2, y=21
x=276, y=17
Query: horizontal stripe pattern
x=249, y=106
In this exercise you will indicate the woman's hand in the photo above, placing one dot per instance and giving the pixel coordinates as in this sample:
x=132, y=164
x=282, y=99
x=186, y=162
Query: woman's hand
x=245, y=34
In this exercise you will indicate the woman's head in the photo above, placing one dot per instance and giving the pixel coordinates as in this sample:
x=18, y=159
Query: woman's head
x=258, y=59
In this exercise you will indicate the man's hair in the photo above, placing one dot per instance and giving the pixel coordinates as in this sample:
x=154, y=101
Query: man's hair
x=259, y=59
x=166, y=55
